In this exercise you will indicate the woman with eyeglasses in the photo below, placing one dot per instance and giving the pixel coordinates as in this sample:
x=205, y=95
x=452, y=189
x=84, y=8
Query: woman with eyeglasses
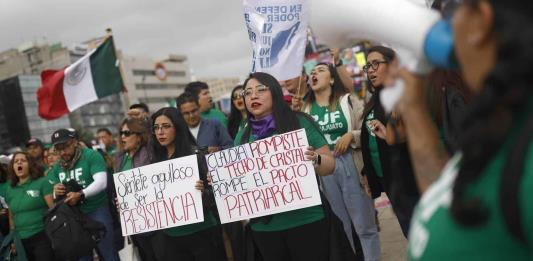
x=387, y=166
x=339, y=116
x=237, y=117
x=133, y=153
x=29, y=195
x=477, y=204
x=301, y=234
x=196, y=242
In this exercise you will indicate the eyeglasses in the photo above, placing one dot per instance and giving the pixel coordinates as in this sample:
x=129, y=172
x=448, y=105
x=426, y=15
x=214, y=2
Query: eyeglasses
x=127, y=133
x=190, y=113
x=236, y=96
x=373, y=64
x=259, y=90
x=163, y=127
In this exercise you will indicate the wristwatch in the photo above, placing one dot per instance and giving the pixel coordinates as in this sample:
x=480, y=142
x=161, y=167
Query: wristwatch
x=82, y=195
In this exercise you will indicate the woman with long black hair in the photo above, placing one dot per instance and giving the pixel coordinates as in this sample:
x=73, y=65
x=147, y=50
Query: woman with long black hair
x=387, y=168
x=478, y=205
x=300, y=234
x=195, y=242
x=339, y=116
x=237, y=116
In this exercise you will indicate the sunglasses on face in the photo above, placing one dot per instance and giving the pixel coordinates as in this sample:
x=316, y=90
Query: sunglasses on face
x=127, y=133
x=374, y=65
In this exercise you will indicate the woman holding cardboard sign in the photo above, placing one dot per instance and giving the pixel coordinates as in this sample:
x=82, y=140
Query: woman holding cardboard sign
x=194, y=242
x=299, y=234
x=339, y=116
x=133, y=153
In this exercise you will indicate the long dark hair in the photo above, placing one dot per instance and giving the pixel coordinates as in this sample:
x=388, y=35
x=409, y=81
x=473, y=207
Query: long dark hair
x=235, y=116
x=183, y=141
x=388, y=55
x=34, y=169
x=497, y=108
x=286, y=120
x=337, y=89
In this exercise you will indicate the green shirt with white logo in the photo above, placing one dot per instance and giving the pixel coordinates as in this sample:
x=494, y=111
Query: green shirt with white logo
x=89, y=163
x=435, y=235
x=299, y=217
x=373, y=146
x=27, y=205
x=333, y=124
x=216, y=115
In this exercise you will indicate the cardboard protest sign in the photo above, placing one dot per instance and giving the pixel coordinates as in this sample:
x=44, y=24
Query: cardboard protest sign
x=158, y=196
x=264, y=177
x=277, y=30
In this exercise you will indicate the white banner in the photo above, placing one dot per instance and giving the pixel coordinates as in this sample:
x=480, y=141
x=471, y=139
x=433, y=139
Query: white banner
x=158, y=196
x=277, y=30
x=264, y=177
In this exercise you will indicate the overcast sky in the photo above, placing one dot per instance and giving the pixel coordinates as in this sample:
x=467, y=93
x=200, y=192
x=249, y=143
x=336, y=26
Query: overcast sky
x=210, y=32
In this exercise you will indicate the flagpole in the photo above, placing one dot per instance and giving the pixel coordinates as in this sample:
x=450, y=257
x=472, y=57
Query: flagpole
x=109, y=33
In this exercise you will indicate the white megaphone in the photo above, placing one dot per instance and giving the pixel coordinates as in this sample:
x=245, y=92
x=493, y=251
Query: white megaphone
x=402, y=24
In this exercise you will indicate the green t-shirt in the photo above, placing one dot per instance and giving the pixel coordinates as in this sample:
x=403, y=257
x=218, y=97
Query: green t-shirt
x=127, y=163
x=373, y=146
x=27, y=205
x=435, y=235
x=332, y=124
x=216, y=115
x=89, y=163
x=299, y=217
x=111, y=150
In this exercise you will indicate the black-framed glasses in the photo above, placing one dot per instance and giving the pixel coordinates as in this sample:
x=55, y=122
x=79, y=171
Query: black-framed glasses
x=163, y=126
x=373, y=64
x=259, y=90
x=127, y=133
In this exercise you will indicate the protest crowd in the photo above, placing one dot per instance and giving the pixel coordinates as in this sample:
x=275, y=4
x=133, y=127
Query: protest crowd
x=292, y=172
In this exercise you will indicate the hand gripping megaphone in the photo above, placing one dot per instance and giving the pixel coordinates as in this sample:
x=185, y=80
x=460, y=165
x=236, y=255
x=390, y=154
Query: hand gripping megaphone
x=400, y=23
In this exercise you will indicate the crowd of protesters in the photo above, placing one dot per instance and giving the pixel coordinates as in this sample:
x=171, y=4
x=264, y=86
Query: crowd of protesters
x=478, y=209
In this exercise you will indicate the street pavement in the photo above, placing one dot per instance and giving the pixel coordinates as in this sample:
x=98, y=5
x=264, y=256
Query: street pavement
x=393, y=243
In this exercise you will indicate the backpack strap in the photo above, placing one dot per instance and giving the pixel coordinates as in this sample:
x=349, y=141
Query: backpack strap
x=510, y=186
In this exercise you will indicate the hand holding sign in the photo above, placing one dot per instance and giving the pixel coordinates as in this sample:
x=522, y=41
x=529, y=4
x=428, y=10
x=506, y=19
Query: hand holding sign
x=264, y=177
x=161, y=195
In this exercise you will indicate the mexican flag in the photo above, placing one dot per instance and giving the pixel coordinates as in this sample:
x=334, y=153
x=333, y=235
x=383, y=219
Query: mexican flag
x=94, y=76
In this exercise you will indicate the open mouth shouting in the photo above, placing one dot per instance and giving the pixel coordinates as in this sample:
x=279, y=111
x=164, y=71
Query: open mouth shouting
x=255, y=105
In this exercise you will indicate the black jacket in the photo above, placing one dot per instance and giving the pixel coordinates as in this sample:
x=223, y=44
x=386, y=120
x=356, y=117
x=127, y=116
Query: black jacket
x=398, y=175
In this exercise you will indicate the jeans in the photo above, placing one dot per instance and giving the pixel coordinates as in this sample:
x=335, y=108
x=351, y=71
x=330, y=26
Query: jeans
x=106, y=247
x=352, y=205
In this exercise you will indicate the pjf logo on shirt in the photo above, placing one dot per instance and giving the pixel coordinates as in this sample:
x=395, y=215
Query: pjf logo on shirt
x=33, y=193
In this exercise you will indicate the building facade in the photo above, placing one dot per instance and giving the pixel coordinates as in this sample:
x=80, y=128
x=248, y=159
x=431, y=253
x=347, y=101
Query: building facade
x=155, y=83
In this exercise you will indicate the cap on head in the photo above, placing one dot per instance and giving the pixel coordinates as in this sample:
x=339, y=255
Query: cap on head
x=34, y=141
x=62, y=135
